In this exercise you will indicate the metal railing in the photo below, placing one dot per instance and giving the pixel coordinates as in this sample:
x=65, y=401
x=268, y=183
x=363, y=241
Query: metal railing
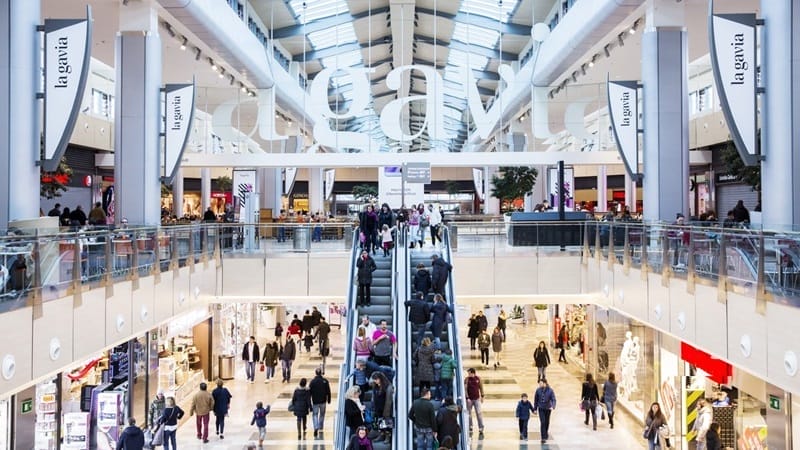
x=403, y=374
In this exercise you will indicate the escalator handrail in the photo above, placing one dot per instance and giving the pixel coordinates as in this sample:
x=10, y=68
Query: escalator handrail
x=340, y=426
x=452, y=335
x=400, y=242
x=403, y=373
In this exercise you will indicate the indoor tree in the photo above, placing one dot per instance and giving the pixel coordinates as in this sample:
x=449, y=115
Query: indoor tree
x=52, y=183
x=365, y=193
x=513, y=183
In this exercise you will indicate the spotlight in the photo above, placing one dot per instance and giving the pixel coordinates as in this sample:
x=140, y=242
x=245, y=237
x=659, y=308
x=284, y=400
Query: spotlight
x=221, y=72
x=607, y=50
x=197, y=54
x=620, y=41
x=594, y=58
x=251, y=93
x=183, y=44
x=632, y=30
x=575, y=76
x=170, y=31
x=242, y=87
x=233, y=80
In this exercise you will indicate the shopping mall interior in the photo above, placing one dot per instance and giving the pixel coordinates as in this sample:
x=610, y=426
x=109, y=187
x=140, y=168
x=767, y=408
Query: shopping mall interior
x=612, y=182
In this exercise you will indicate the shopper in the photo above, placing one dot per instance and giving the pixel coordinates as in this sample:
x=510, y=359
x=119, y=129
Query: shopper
x=382, y=403
x=320, y=390
x=422, y=280
x=419, y=313
x=308, y=341
x=423, y=357
x=202, y=405
x=483, y=322
x=523, y=414
x=440, y=274
x=56, y=211
x=301, y=406
x=474, y=390
x=473, y=330
x=545, y=402
x=251, y=355
x=222, y=403
x=360, y=440
x=368, y=326
x=308, y=322
x=362, y=345
x=703, y=422
x=502, y=319
x=387, y=239
x=156, y=408
x=279, y=333
x=589, y=399
x=353, y=409
x=384, y=345
x=271, y=353
x=484, y=342
x=170, y=417
x=435, y=219
x=365, y=265
x=423, y=415
x=653, y=422
x=541, y=358
x=740, y=213
x=288, y=354
x=610, y=396
x=497, y=346
x=446, y=374
x=447, y=422
x=368, y=229
x=97, y=216
x=440, y=311
x=260, y=420
x=132, y=437
x=322, y=335
x=563, y=343
x=712, y=437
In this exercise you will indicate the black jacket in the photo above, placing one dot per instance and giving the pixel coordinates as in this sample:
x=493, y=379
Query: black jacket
x=447, y=423
x=365, y=269
x=541, y=357
x=422, y=414
x=712, y=440
x=222, y=400
x=301, y=399
x=256, y=352
x=308, y=322
x=441, y=271
x=320, y=390
x=132, y=438
x=289, y=352
x=352, y=414
x=385, y=217
x=422, y=281
x=418, y=311
x=589, y=392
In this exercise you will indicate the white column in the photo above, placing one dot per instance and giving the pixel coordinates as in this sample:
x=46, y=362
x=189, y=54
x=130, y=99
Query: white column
x=138, y=115
x=630, y=192
x=270, y=187
x=316, y=190
x=491, y=205
x=780, y=62
x=177, y=194
x=602, y=188
x=205, y=189
x=20, y=73
x=666, y=111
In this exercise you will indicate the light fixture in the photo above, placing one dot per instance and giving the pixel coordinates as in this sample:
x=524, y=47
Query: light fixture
x=657, y=312
x=144, y=314
x=251, y=93
x=243, y=87
x=213, y=65
x=634, y=26
x=170, y=31
x=221, y=72
x=289, y=123
x=183, y=43
x=120, y=322
x=55, y=349
x=632, y=30
x=790, y=363
x=197, y=54
x=233, y=80
x=594, y=58
x=746, y=345
x=9, y=367
x=583, y=69
x=621, y=41
x=607, y=50
x=681, y=319
x=575, y=76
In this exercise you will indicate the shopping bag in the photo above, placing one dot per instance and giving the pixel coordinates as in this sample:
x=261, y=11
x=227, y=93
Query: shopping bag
x=262, y=367
x=600, y=411
x=158, y=436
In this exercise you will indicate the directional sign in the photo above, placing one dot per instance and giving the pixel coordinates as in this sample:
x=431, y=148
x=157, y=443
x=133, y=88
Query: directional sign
x=417, y=173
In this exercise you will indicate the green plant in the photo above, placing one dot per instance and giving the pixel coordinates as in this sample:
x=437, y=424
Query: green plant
x=224, y=183
x=52, y=183
x=166, y=190
x=540, y=307
x=451, y=186
x=514, y=183
x=365, y=193
x=751, y=175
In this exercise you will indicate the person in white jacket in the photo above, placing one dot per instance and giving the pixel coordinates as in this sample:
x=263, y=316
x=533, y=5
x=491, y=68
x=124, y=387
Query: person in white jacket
x=436, y=221
x=701, y=425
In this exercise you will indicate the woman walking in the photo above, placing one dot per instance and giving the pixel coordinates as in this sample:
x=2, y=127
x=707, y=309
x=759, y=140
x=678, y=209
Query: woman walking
x=473, y=330
x=353, y=409
x=365, y=265
x=502, y=318
x=563, y=342
x=589, y=399
x=271, y=352
x=382, y=402
x=654, y=420
x=541, y=358
x=301, y=402
x=170, y=417
x=439, y=312
x=610, y=396
x=497, y=345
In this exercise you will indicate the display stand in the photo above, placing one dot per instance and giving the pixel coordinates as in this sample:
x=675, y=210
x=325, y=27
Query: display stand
x=46, y=409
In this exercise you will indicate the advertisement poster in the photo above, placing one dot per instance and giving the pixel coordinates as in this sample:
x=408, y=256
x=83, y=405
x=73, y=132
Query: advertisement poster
x=390, y=188
x=336, y=312
x=244, y=182
x=108, y=416
x=568, y=187
x=76, y=430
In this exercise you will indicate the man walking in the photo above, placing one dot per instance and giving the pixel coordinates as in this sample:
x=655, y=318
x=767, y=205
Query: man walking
x=423, y=415
x=250, y=356
x=132, y=437
x=202, y=405
x=474, y=388
x=545, y=402
x=441, y=271
x=287, y=357
x=320, y=397
x=418, y=315
x=323, y=331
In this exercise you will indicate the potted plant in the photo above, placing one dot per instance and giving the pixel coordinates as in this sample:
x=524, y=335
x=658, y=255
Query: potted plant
x=540, y=313
x=514, y=183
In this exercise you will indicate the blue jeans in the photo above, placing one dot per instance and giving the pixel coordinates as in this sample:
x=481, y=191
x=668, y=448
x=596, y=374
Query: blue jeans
x=523, y=428
x=541, y=372
x=281, y=234
x=424, y=438
x=317, y=235
x=445, y=388
x=286, y=369
x=169, y=438
x=318, y=415
x=270, y=372
x=250, y=370
x=418, y=330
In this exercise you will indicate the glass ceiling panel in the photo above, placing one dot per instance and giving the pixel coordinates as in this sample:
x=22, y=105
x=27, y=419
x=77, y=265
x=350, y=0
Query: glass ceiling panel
x=317, y=9
x=490, y=8
x=460, y=58
x=330, y=37
x=347, y=59
x=472, y=34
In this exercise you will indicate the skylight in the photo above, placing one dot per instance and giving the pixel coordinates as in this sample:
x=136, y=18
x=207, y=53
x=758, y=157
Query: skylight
x=330, y=37
x=490, y=8
x=460, y=58
x=317, y=9
x=347, y=59
x=471, y=34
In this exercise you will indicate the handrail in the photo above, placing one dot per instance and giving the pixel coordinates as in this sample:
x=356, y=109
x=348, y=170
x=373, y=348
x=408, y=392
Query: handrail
x=397, y=301
x=403, y=374
x=453, y=341
x=340, y=426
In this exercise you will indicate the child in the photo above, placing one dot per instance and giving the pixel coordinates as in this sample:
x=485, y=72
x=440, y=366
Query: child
x=524, y=408
x=360, y=376
x=386, y=239
x=260, y=420
x=308, y=342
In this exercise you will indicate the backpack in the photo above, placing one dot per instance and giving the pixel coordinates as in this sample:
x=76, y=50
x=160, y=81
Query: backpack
x=473, y=388
x=384, y=346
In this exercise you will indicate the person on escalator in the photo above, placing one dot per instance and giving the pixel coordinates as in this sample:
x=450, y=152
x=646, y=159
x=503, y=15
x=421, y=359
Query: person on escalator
x=441, y=272
x=439, y=314
x=368, y=227
x=422, y=279
x=418, y=315
x=365, y=265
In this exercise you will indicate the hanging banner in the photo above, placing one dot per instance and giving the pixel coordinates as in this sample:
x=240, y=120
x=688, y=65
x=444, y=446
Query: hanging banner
x=623, y=110
x=477, y=180
x=244, y=182
x=733, y=62
x=289, y=175
x=178, y=117
x=553, y=188
x=67, y=51
x=330, y=178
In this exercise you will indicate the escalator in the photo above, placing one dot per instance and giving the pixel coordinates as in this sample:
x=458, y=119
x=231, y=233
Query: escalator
x=449, y=339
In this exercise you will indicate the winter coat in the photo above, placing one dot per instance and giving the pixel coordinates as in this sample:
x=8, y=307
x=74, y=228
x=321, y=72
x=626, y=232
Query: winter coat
x=222, y=400
x=385, y=216
x=260, y=417
x=483, y=322
x=256, y=352
x=484, y=340
x=132, y=438
x=365, y=269
x=497, y=342
x=368, y=223
x=308, y=322
x=441, y=271
x=289, y=351
x=352, y=414
x=357, y=443
x=609, y=392
x=422, y=281
x=473, y=328
x=424, y=358
x=439, y=310
x=320, y=390
x=448, y=369
x=589, y=392
x=382, y=401
x=523, y=410
x=652, y=424
x=447, y=423
x=541, y=357
x=544, y=398
x=202, y=403
x=301, y=399
x=419, y=312
x=271, y=355
x=712, y=441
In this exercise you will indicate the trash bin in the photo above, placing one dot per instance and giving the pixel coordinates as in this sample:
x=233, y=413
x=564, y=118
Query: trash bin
x=227, y=367
x=301, y=241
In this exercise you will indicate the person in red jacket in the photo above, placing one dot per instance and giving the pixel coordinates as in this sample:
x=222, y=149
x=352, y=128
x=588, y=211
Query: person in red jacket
x=295, y=329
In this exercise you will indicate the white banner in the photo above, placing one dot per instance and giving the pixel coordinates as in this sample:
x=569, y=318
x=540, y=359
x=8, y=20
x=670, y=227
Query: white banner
x=178, y=116
x=330, y=178
x=569, y=188
x=623, y=109
x=67, y=51
x=733, y=60
x=477, y=179
x=290, y=173
x=390, y=188
x=244, y=181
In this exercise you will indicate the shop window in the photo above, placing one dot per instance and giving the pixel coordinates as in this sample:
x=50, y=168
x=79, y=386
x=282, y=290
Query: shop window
x=705, y=99
x=102, y=104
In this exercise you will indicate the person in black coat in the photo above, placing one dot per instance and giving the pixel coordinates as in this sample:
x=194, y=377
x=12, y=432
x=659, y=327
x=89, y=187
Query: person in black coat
x=222, y=402
x=473, y=330
x=301, y=400
x=441, y=271
x=422, y=279
x=365, y=265
x=712, y=437
x=77, y=216
x=447, y=421
x=353, y=411
x=368, y=226
x=590, y=396
x=132, y=438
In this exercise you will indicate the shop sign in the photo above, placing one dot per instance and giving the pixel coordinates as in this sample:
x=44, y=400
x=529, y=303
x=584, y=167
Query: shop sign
x=26, y=406
x=417, y=172
x=623, y=110
x=179, y=104
x=67, y=51
x=724, y=178
x=775, y=402
x=733, y=61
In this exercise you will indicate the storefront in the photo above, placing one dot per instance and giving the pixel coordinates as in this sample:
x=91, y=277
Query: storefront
x=184, y=355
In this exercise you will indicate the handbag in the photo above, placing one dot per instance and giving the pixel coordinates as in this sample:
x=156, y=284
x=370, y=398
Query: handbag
x=424, y=221
x=584, y=405
x=385, y=423
x=362, y=237
x=262, y=367
x=291, y=405
x=368, y=416
x=600, y=411
x=157, y=436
